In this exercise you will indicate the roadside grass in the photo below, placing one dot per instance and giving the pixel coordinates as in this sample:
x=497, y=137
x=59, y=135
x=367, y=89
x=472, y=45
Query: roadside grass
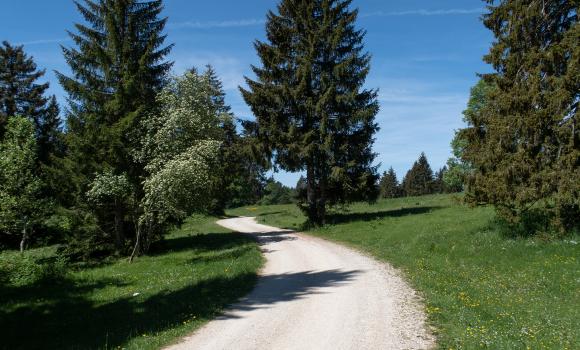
x=482, y=289
x=198, y=270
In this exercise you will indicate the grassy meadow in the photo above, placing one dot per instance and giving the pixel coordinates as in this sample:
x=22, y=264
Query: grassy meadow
x=482, y=288
x=198, y=270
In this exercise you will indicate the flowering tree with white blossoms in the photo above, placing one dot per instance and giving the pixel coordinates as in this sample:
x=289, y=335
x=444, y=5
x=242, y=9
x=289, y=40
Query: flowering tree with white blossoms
x=20, y=202
x=180, y=148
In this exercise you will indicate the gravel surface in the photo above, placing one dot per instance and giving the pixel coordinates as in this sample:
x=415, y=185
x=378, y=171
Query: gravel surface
x=314, y=294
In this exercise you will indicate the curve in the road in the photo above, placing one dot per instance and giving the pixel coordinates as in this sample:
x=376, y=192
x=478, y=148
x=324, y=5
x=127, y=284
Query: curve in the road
x=314, y=294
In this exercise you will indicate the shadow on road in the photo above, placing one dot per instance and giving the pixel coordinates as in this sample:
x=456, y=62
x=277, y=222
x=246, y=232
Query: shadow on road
x=273, y=237
x=274, y=289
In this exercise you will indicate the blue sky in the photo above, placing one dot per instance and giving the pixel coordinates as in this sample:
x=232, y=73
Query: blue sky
x=425, y=58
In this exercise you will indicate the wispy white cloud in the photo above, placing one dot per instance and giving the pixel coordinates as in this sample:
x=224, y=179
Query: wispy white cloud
x=423, y=12
x=229, y=68
x=236, y=23
x=218, y=24
x=44, y=41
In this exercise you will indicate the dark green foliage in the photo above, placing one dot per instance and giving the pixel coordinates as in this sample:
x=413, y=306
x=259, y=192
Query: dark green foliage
x=276, y=193
x=118, y=67
x=389, y=185
x=20, y=94
x=245, y=168
x=240, y=177
x=438, y=183
x=419, y=179
x=49, y=136
x=458, y=168
x=524, y=142
x=313, y=114
x=19, y=270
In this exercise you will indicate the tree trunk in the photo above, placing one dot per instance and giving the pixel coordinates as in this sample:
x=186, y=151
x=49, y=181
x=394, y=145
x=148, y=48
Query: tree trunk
x=321, y=210
x=137, y=244
x=119, y=237
x=312, y=211
x=24, y=240
x=316, y=195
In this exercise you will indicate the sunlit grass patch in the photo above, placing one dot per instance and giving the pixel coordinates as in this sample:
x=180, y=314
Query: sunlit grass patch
x=186, y=281
x=482, y=289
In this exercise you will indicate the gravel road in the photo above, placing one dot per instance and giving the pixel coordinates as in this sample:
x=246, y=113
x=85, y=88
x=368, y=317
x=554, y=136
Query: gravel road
x=314, y=294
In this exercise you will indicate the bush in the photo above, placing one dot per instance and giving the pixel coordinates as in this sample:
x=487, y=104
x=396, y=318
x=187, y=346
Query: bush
x=24, y=269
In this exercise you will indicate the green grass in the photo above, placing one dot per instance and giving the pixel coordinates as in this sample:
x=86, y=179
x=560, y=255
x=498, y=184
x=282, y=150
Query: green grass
x=481, y=288
x=195, y=273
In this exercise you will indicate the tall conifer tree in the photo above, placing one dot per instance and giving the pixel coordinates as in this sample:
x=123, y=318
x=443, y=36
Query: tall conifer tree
x=118, y=68
x=419, y=179
x=49, y=134
x=389, y=185
x=20, y=94
x=312, y=110
x=524, y=144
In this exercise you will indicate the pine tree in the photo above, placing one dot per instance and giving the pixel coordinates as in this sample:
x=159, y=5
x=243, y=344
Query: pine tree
x=389, y=185
x=419, y=179
x=312, y=111
x=20, y=94
x=118, y=68
x=438, y=183
x=49, y=134
x=525, y=142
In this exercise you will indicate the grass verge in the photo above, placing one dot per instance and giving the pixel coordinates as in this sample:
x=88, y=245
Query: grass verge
x=481, y=288
x=199, y=269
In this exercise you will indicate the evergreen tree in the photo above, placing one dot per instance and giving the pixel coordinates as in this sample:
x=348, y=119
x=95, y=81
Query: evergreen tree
x=276, y=193
x=419, y=179
x=49, y=134
x=219, y=95
x=118, y=67
x=20, y=94
x=389, y=185
x=438, y=183
x=524, y=144
x=313, y=114
x=458, y=168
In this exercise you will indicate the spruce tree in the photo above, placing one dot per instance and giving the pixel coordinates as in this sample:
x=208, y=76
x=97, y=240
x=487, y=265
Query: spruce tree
x=419, y=179
x=118, y=68
x=524, y=144
x=312, y=111
x=49, y=134
x=438, y=183
x=20, y=94
x=389, y=185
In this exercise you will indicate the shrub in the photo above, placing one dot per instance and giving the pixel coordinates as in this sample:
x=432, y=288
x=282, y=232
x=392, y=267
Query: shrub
x=24, y=269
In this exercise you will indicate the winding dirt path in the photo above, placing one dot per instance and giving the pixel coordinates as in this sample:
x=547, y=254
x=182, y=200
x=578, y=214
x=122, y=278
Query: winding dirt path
x=314, y=294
